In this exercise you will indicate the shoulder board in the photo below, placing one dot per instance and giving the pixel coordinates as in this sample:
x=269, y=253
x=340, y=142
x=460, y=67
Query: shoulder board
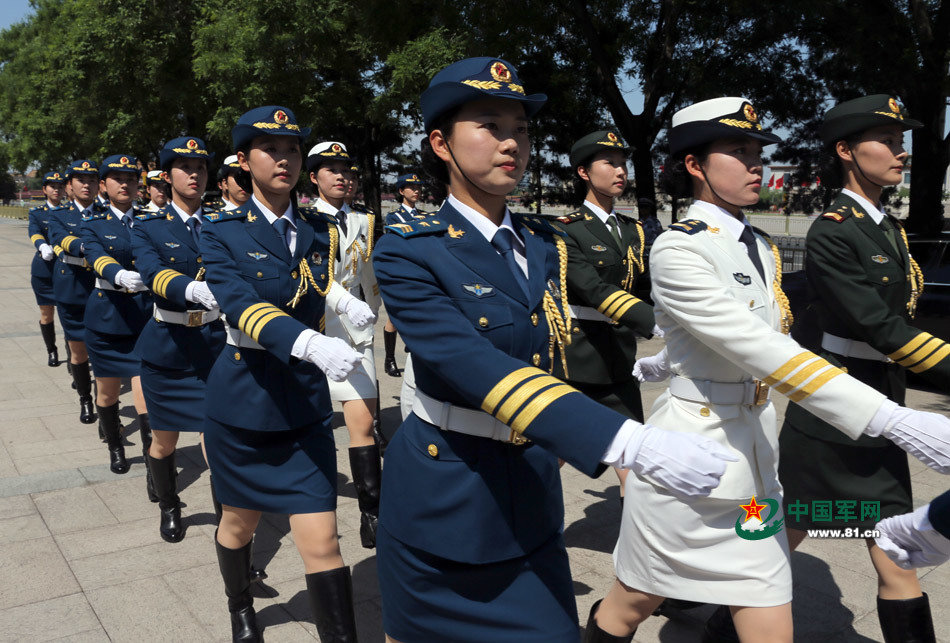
x=360, y=208
x=689, y=226
x=836, y=216
x=570, y=218
x=38, y=208
x=761, y=233
x=419, y=227
x=150, y=215
x=94, y=216
x=312, y=215
x=540, y=224
x=227, y=215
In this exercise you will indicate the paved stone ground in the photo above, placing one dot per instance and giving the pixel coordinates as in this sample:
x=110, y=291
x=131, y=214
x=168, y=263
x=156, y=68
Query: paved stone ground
x=81, y=558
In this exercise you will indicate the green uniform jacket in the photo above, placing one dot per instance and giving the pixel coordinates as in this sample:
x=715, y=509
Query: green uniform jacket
x=860, y=287
x=603, y=352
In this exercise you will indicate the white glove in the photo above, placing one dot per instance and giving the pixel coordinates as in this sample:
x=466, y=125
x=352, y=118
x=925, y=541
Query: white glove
x=200, y=293
x=685, y=463
x=332, y=355
x=926, y=436
x=655, y=368
x=657, y=331
x=911, y=541
x=357, y=311
x=46, y=251
x=130, y=280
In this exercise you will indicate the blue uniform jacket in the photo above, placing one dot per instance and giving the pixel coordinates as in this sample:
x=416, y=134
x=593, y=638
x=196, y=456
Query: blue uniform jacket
x=477, y=342
x=108, y=246
x=71, y=283
x=252, y=275
x=939, y=514
x=168, y=259
x=38, y=229
x=399, y=215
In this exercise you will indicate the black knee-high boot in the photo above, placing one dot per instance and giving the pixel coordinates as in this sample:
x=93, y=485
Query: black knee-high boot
x=164, y=474
x=257, y=574
x=234, y=565
x=389, y=341
x=83, y=382
x=367, y=477
x=112, y=429
x=69, y=361
x=48, y=331
x=593, y=633
x=906, y=621
x=331, y=601
x=145, y=433
x=719, y=627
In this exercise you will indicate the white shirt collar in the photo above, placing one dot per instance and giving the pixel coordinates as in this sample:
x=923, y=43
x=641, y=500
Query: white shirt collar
x=407, y=208
x=482, y=223
x=323, y=206
x=50, y=205
x=184, y=215
x=873, y=210
x=599, y=211
x=271, y=217
x=724, y=218
x=119, y=213
x=80, y=207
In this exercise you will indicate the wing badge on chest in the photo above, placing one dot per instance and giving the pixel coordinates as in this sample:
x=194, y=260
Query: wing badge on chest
x=110, y=237
x=479, y=290
x=598, y=248
x=745, y=280
x=879, y=259
x=172, y=244
x=257, y=255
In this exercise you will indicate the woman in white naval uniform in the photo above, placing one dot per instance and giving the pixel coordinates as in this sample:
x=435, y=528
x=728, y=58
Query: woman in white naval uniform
x=351, y=319
x=718, y=299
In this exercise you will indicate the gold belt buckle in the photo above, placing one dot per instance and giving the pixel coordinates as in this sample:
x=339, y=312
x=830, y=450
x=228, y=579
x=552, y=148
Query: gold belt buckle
x=761, y=395
x=517, y=439
x=195, y=318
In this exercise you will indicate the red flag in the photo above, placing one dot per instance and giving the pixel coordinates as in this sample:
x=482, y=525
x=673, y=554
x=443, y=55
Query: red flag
x=772, y=181
x=818, y=180
x=780, y=182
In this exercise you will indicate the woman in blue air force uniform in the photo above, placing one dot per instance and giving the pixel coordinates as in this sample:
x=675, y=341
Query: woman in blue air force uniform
x=470, y=544
x=268, y=428
x=41, y=270
x=185, y=334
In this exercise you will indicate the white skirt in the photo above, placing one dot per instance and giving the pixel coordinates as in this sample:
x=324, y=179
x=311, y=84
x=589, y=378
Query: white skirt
x=690, y=550
x=361, y=383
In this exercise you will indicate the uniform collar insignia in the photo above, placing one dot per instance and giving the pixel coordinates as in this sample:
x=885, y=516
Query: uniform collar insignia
x=454, y=233
x=857, y=213
x=745, y=280
x=879, y=259
x=479, y=290
x=257, y=255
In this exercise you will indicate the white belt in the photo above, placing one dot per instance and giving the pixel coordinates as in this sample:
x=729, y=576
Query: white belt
x=74, y=261
x=851, y=348
x=449, y=417
x=586, y=312
x=241, y=339
x=190, y=318
x=754, y=393
x=102, y=284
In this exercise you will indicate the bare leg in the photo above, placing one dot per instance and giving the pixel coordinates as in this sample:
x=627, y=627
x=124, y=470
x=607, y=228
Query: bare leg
x=622, y=476
x=316, y=538
x=46, y=314
x=624, y=608
x=893, y=583
x=237, y=526
x=764, y=624
x=107, y=390
x=138, y=398
x=163, y=443
x=77, y=351
x=358, y=415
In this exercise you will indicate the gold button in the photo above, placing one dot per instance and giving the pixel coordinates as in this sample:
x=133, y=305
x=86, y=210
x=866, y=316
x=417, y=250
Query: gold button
x=237, y=356
x=260, y=274
x=884, y=279
x=483, y=322
x=133, y=262
x=433, y=450
x=111, y=248
x=198, y=259
x=752, y=304
x=293, y=275
x=172, y=259
x=100, y=293
x=600, y=263
x=535, y=359
x=623, y=261
x=323, y=276
x=576, y=329
x=704, y=412
x=534, y=319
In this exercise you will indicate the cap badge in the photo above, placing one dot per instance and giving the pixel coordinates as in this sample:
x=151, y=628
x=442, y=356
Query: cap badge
x=56, y=176
x=336, y=148
x=749, y=112
x=893, y=104
x=500, y=73
x=192, y=144
x=85, y=165
x=280, y=116
x=414, y=177
x=124, y=160
x=612, y=137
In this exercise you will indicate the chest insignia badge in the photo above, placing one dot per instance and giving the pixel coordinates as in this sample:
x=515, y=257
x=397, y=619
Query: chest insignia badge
x=857, y=213
x=479, y=290
x=257, y=255
x=745, y=280
x=554, y=289
x=879, y=259
x=110, y=237
x=172, y=244
x=71, y=225
x=599, y=248
x=455, y=234
x=316, y=259
x=251, y=217
x=713, y=230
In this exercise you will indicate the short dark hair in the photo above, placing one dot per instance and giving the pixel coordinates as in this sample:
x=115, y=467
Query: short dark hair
x=675, y=180
x=435, y=168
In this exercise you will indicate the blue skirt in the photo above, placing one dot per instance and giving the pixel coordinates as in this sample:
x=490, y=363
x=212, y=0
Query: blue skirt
x=41, y=279
x=284, y=472
x=113, y=355
x=175, y=398
x=71, y=319
x=427, y=598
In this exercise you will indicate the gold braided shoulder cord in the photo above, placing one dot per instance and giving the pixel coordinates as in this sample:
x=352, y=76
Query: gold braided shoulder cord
x=306, y=276
x=559, y=325
x=360, y=252
x=201, y=274
x=786, y=310
x=634, y=261
x=914, y=275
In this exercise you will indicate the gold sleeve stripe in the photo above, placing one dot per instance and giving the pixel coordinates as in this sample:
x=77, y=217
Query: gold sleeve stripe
x=524, y=419
x=918, y=355
x=931, y=361
x=100, y=263
x=37, y=237
x=508, y=383
x=624, y=308
x=610, y=299
x=250, y=310
x=68, y=241
x=249, y=323
x=263, y=320
x=785, y=369
x=162, y=279
x=524, y=393
x=800, y=376
x=612, y=309
x=323, y=323
x=816, y=384
x=57, y=250
x=910, y=347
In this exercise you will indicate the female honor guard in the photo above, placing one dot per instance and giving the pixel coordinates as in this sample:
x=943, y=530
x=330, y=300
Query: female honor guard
x=470, y=544
x=864, y=287
x=918, y=539
x=351, y=319
x=184, y=335
x=233, y=194
x=73, y=279
x=717, y=288
x=268, y=427
x=157, y=191
x=41, y=270
x=118, y=306
x=604, y=260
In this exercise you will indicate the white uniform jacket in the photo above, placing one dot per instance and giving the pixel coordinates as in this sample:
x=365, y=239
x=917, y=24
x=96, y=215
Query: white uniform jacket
x=353, y=268
x=721, y=324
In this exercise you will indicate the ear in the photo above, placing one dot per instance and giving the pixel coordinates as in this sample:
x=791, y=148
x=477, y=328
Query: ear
x=439, y=145
x=102, y=183
x=242, y=159
x=693, y=166
x=843, y=150
x=582, y=172
x=313, y=178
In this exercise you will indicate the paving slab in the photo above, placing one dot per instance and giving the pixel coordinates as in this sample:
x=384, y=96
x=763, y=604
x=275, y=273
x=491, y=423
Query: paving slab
x=33, y=571
x=145, y=610
x=64, y=617
x=74, y=509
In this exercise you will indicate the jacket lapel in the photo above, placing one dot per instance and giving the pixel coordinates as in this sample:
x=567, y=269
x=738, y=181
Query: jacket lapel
x=305, y=237
x=180, y=231
x=536, y=251
x=599, y=229
x=264, y=234
x=732, y=248
x=872, y=230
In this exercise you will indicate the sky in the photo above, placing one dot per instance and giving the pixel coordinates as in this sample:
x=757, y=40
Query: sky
x=12, y=11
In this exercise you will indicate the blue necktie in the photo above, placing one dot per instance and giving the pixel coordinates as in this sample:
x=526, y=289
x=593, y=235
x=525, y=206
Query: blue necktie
x=194, y=226
x=282, y=225
x=503, y=241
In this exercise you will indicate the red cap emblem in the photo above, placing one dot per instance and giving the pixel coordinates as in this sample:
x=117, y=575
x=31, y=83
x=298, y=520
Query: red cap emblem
x=280, y=116
x=192, y=144
x=500, y=73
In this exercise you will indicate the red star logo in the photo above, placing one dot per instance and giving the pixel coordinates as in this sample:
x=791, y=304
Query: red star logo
x=752, y=510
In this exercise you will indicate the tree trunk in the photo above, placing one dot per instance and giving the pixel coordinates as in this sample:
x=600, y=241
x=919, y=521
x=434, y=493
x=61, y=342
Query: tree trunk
x=929, y=166
x=643, y=171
